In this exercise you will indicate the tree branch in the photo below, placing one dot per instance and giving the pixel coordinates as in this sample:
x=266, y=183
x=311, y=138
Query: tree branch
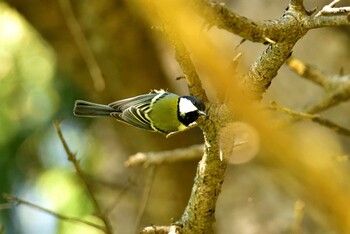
x=299, y=213
x=265, y=68
x=173, y=229
x=82, y=44
x=117, y=199
x=257, y=31
x=199, y=214
x=12, y=198
x=297, y=4
x=308, y=72
x=72, y=158
x=315, y=118
x=183, y=58
x=330, y=9
x=332, y=99
x=337, y=87
x=327, y=21
x=283, y=32
x=171, y=156
x=145, y=196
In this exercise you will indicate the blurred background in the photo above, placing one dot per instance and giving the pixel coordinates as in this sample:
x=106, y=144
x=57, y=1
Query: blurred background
x=45, y=66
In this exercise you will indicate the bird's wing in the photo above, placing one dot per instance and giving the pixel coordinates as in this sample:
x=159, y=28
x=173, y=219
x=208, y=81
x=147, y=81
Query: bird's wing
x=136, y=117
x=137, y=101
x=134, y=111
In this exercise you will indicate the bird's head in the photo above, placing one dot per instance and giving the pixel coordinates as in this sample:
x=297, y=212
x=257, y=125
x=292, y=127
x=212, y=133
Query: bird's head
x=189, y=109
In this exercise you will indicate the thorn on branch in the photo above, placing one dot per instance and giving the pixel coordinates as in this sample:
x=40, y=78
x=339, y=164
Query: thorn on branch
x=240, y=43
x=269, y=40
x=180, y=78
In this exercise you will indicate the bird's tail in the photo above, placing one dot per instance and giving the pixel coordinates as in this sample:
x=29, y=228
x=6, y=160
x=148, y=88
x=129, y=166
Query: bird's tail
x=90, y=109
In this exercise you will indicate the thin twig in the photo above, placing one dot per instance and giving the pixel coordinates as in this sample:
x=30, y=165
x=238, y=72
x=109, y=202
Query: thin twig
x=145, y=196
x=72, y=158
x=5, y=206
x=299, y=207
x=337, y=87
x=17, y=200
x=333, y=99
x=312, y=117
x=183, y=57
x=308, y=72
x=330, y=9
x=82, y=44
x=171, y=156
x=117, y=199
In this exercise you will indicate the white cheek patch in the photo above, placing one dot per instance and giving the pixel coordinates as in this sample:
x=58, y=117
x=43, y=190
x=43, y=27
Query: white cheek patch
x=186, y=106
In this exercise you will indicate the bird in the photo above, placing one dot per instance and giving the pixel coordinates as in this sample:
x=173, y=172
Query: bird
x=158, y=111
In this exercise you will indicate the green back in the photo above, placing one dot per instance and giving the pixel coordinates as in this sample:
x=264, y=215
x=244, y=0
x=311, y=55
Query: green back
x=164, y=114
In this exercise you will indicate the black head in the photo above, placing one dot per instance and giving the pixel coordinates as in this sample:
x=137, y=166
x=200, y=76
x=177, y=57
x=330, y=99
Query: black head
x=189, y=109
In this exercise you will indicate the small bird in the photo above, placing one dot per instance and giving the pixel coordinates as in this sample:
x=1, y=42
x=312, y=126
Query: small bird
x=158, y=111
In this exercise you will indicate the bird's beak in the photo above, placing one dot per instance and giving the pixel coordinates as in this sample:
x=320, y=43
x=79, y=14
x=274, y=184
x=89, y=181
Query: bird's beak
x=202, y=113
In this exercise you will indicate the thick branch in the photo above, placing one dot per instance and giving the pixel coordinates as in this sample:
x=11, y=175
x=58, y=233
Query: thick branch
x=259, y=31
x=282, y=33
x=265, y=68
x=219, y=15
x=199, y=214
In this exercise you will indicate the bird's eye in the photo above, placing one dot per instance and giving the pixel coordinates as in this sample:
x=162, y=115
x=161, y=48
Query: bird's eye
x=190, y=117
